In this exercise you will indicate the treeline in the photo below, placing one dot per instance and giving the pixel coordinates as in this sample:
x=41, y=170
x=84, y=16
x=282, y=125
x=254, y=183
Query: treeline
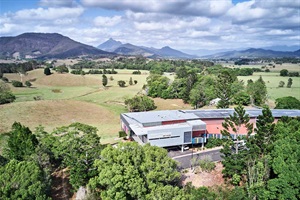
x=214, y=82
x=94, y=71
x=18, y=67
x=141, y=63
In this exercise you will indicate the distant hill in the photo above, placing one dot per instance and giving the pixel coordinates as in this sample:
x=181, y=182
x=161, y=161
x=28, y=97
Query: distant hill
x=45, y=45
x=110, y=45
x=130, y=49
x=255, y=53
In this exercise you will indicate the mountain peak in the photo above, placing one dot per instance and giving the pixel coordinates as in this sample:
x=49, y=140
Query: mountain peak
x=110, y=45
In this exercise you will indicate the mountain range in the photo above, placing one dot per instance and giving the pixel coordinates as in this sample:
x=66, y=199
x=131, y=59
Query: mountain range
x=54, y=45
x=118, y=47
x=45, y=45
x=254, y=53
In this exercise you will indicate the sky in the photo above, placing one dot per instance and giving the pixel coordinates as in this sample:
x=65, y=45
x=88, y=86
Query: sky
x=180, y=24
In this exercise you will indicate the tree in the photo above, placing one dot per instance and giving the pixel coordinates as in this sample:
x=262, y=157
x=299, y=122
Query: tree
x=290, y=82
x=62, y=69
x=104, y=80
x=17, y=83
x=5, y=94
x=135, y=82
x=131, y=171
x=285, y=161
x=257, y=91
x=235, y=122
x=284, y=72
x=23, y=180
x=281, y=84
x=242, y=98
x=28, y=84
x=140, y=103
x=47, y=71
x=121, y=83
x=287, y=103
x=77, y=145
x=21, y=142
x=130, y=81
x=223, y=88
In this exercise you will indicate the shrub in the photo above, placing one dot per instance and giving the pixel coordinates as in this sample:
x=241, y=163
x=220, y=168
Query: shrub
x=284, y=72
x=206, y=164
x=6, y=97
x=17, y=83
x=47, y=71
x=136, y=72
x=121, y=83
x=215, y=142
x=122, y=134
x=135, y=82
x=28, y=84
x=281, y=84
x=287, y=103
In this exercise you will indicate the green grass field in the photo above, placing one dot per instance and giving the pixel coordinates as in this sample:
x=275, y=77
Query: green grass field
x=289, y=66
x=68, y=98
x=272, y=81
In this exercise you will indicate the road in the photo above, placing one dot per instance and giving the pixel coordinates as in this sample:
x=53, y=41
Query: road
x=185, y=159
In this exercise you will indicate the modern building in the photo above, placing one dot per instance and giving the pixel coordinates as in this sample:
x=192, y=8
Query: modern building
x=183, y=127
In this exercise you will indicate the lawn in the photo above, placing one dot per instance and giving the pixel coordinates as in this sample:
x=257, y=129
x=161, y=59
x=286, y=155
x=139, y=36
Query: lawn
x=272, y=80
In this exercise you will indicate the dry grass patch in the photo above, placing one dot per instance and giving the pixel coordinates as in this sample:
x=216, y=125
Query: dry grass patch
x=68, y=80
x=171, y=104
x=52, y=114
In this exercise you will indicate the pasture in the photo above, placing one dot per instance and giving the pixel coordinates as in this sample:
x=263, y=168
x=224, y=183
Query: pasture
x=289, y=66
x=68, y=98
x=272, y=81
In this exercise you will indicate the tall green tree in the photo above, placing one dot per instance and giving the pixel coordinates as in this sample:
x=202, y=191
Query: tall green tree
x=23, y=180
x=130, y=81
x=131, y=171
x=235, y=122
x=47, y=71
x=21, y=142
x=140, y=103
x=104, y=80
x=223, y=88
x=258, y=91
x=290, y=83
x=287, y=103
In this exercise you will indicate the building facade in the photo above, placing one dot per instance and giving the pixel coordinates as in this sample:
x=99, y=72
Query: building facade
x=168, y=128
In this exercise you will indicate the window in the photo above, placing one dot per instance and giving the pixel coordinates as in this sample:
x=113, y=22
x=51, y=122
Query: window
x=187, y=137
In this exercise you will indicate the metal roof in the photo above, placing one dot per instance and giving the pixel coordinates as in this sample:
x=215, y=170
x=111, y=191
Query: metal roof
x=160, y=116
x=139, y=130
x=224, y=113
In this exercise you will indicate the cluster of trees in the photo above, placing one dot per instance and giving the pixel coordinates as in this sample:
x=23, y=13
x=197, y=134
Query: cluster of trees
x=267, y=167
x=287, y=103
x=200, y=89
x=285, y=72
x=289, y=84
x=139, y=103
x=18, y=67
x=93, y=71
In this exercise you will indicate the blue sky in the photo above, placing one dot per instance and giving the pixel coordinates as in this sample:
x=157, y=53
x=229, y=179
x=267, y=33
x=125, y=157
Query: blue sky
x=182, y=24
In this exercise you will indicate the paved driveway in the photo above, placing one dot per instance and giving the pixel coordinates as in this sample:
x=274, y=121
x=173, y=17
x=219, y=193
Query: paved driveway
x=184, y=158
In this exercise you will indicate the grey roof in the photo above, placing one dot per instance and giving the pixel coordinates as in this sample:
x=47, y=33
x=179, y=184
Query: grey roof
x=160, y=116
x=223, y=113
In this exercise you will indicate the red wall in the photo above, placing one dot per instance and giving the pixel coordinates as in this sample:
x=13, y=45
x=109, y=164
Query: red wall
x=214, y=126
x=173, y=122
x=198, y=133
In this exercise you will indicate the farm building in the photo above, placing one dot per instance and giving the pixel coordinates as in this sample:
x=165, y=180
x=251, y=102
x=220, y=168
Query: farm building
x=183, y=127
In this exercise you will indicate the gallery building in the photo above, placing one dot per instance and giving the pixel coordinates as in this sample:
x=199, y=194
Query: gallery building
x=168, y=128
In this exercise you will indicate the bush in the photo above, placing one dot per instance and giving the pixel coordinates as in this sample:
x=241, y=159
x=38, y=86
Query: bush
x=135, y=82
x=215, y=142
x=121, y=83
x=136, y=72
x=206, y=164
x=281, y=84
x=17, y=83
x=62, y=69
x=284, y=72
x=140, y=103
x=6, y=97
x=47, y=71
x=28, y=84
x=122, y=134
x=287, y=103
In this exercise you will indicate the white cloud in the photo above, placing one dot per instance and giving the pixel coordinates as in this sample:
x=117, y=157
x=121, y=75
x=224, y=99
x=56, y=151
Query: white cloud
x=47, y=14
x=107, y=21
